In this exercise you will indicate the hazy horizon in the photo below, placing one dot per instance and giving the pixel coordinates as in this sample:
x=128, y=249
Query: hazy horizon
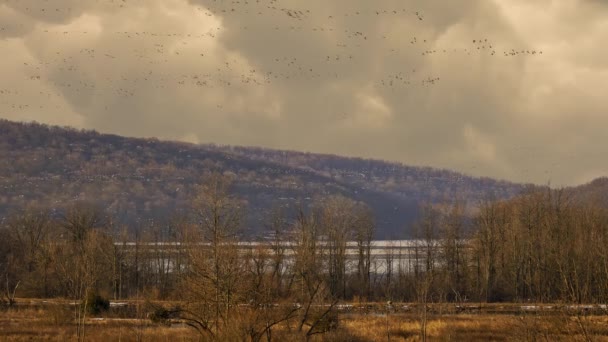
x=507, y=89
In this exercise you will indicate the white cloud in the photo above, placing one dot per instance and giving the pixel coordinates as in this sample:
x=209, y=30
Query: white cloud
x=348, y=76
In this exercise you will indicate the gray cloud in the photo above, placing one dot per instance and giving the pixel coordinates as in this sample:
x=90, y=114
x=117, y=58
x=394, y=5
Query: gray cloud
x=424, y=83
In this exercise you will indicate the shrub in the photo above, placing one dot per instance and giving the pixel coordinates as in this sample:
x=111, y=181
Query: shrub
x=161, y=315
x=96, y=304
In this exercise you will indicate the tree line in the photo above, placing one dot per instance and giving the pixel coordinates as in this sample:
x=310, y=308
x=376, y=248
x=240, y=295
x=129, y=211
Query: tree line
x=542, y=246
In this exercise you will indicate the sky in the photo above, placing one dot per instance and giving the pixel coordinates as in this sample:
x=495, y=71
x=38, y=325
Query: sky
x=509, y=89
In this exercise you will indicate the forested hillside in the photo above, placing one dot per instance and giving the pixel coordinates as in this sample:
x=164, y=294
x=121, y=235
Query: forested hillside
x=594, y=192
x=422, y=184
x=137, y=180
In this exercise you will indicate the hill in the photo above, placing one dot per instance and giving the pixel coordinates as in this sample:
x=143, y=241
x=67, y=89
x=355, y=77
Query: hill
x=146, y=179
x=593, y=193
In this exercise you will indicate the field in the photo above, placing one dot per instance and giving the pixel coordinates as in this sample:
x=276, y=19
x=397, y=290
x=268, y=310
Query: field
x=38, y=320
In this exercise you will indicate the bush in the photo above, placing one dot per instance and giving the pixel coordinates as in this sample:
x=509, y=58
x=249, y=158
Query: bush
x=161, y=315
x=96, y=304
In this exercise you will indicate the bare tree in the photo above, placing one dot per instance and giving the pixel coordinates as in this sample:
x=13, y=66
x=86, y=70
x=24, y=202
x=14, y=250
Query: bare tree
x=80, y=257
x=364, y=233
x=453, y=252
x=278, y=246
x=310, y=260
x=339, y=218
x=264, y=309
x=426, y=250
x=27, y=238
x=487, y=239
x=215, y=265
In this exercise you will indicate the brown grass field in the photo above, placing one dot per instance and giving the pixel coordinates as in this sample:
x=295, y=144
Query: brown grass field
x=54, y=322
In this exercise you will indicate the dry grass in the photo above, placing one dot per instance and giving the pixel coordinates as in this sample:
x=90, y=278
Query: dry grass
x=54, y=323
x=467, y=327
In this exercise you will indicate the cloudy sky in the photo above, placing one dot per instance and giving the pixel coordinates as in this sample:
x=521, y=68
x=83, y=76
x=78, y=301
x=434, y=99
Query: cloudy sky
x=513, y=89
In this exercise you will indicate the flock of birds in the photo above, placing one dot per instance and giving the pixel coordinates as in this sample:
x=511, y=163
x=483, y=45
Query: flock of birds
x=159, y=56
